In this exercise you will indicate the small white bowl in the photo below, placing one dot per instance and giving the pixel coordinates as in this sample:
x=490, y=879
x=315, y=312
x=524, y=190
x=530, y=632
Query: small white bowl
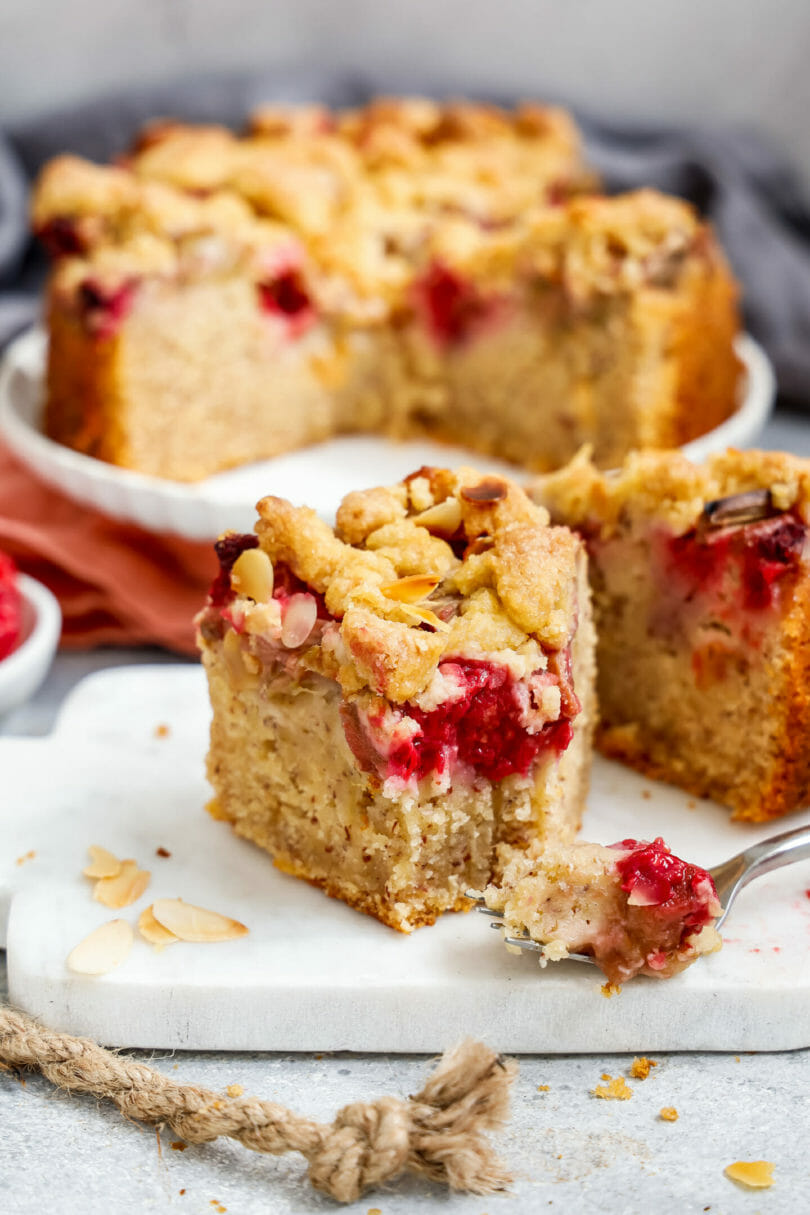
x=24, y=669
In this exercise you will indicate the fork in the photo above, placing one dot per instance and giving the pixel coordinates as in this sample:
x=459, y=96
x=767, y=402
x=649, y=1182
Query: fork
x=729, y=878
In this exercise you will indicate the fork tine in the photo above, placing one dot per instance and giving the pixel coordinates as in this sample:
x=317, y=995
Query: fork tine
x=488, y=911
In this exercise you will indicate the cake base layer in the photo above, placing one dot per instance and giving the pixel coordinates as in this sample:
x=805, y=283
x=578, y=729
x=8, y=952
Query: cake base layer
x=286, y=779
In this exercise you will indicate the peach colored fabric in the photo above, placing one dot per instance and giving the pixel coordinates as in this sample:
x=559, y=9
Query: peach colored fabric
x=117, y=584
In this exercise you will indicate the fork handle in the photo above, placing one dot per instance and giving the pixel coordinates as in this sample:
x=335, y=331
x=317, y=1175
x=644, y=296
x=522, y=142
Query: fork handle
x=774, y=852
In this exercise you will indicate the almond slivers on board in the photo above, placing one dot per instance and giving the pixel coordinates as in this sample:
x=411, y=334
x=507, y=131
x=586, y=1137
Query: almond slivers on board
x=103, y=864
x=123, y=889
x=190, y=923
x=105, y=948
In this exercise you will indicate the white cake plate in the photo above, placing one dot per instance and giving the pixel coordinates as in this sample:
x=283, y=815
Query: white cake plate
x=317, y=476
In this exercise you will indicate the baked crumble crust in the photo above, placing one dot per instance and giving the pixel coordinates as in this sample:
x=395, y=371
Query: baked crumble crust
x=503, y=583
x=667, y=487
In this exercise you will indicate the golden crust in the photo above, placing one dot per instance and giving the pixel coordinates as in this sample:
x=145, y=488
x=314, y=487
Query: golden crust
x=513, y=590
x=666, y=486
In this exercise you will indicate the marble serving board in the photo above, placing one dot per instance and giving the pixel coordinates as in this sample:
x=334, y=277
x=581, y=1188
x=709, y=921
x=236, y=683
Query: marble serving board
x=312, y=974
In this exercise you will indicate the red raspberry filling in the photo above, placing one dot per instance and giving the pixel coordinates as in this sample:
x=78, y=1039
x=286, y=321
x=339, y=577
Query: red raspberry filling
x=666, y=886
x=450, y=306
x=103, y=307
x=285, y=296
x=759, y=555
x=10, y=606
x=61, y=237
x=482, y=729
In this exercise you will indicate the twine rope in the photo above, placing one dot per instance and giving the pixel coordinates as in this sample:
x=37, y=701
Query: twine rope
x=440, y=1133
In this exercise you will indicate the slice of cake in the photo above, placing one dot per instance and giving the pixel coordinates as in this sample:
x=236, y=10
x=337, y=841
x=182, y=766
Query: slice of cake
x=405, y=269
x=702, y=598
x=633, y=907
x=398, y=698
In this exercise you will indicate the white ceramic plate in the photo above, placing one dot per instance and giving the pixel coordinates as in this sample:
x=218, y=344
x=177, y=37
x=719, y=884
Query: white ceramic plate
x=317, y=476
x=24, y=669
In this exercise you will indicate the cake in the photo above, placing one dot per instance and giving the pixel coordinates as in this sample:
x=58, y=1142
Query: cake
x=399, y=701
x=407, y=269
x=10, y=606
x=634, y=907
x=702, y=603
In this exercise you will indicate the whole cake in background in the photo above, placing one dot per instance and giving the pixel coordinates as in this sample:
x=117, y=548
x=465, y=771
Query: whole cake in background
x=405, y=269
x=401, y=703
x=701, y=584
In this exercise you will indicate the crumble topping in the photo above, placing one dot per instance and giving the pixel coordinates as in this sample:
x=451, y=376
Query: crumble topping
x=666, y=488
x=441, y=213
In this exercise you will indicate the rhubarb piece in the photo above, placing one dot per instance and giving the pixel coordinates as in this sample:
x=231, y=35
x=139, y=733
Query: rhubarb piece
x=635, y=908
x=403, y=706
x=702, y=596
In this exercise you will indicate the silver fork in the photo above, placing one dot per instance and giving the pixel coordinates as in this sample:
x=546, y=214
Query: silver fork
x=729, y=879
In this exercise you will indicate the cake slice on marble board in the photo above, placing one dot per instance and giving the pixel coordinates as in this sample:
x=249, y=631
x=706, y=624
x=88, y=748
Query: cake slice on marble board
x=701, y=583
x=400, y=701
x=634, y=907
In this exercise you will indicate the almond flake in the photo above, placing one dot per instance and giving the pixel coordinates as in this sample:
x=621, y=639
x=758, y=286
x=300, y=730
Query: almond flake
x=105, y=948
x=123, y=889
x=252, y=575
x=103, y=864
x=152, y=931
x=191, y=923
x=443, y=519
x=412, y=589
x=299, y=619
x=425, y=616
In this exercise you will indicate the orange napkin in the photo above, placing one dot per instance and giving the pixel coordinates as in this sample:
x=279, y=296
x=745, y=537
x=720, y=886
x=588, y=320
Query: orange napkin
x=117, y=584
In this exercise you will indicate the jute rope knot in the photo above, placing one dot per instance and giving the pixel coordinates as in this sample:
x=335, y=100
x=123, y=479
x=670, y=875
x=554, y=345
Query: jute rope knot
x=439, y=1133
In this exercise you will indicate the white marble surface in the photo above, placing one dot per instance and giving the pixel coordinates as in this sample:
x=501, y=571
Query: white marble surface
x=312, y=974
x=569, y=1151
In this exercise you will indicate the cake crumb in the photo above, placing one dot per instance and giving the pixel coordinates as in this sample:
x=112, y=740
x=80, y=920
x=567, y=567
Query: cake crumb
x=26, y=856
x=668, y=1114
x=753, y=1174
x=641, y=1066
x=645, y=793
x=691, y=804
x=177, y=1145
x=543, y=1088
x=162, y=730
x=617, y=1089
x=164, y=852
x=737, y=1059
x=182, y=1191
x=609, y=990
x=234, y=1090
x=374, y=1211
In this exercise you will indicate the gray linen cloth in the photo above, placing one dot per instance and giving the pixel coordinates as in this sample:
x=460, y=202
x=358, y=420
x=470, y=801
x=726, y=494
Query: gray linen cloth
x=735, y=178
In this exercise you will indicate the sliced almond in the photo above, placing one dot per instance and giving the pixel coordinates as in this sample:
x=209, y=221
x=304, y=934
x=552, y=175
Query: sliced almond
x=152, y=931
x=299, y=619
x=105, y=948
x=103, y=864
x=443, y=519
x=123, y=889
x=425, y=616
x=412, y=589
x=252, y=575
x=191, y=923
